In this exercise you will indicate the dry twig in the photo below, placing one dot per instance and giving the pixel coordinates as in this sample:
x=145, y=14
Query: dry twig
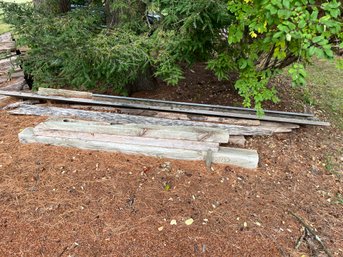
x=309, y=230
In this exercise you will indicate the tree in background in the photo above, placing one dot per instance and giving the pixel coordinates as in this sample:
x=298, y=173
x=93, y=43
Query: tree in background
x=60, y=6
x=110, y=45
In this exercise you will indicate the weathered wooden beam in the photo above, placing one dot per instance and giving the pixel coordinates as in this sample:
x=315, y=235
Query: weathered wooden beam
x=167, y=109
x=166, y=115
x=132, y=119
x=203, y=118
x=194, y=105
x=238, y=157
x=132, y=140
x=269, y=124
x=152, y=131
x=28, y=136
x=63, y=92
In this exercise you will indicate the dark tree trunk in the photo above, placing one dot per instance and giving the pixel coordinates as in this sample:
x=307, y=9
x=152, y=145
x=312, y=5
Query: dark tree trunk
x=145, y=80
x=56, y=6
x=112, y=16
x=64, y=6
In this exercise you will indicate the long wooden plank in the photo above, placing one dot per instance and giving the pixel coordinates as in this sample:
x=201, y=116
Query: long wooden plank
x=238, y=157
x=131, y=100
x=131, y=119
x=132, y=140
x=268, y=124
x=63, y=92
x=167, y=109
x=28, y=136
x=166, y=115
x=198, y=107
x=152, y=131
x=203, y=118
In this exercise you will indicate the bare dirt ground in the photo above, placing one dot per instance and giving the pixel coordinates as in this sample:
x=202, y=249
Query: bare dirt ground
x=66, y=202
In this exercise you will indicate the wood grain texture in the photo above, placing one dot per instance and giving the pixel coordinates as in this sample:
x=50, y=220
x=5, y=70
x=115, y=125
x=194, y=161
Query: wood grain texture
x=153, y=131
x=129, y=140
x=64, y=93
x=231, y=156
x=238, y=157
x=28, y=136
x=166, y=115
x=131, y=119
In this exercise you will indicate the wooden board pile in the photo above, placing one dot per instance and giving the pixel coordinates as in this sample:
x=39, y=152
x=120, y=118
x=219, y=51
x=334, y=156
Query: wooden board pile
x=11, y=75
x=184, y=143
x=167, y=129
x=185, y=131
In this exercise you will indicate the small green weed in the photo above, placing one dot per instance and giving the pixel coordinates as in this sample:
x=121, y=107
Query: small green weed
x=331, y=166
x=339, y=199
x=325, y=89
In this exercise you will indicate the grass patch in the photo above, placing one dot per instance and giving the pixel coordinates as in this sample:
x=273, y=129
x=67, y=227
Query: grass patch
x=3, y=26
x=325, y=89
x=339, y=199
x=332, y=166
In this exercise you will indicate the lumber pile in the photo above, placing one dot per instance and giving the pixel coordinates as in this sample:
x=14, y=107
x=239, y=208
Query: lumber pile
x=183, y=143
x=158, y=128
x=167, y=129
x=11, y=75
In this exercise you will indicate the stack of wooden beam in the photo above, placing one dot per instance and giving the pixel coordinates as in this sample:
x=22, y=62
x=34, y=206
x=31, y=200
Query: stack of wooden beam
x=176, y=142
x=11, y=75
x=167, y=129
x=185, y=131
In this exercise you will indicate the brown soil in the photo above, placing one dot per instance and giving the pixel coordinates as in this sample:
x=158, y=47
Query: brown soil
x=66, y=202
x=201, y=86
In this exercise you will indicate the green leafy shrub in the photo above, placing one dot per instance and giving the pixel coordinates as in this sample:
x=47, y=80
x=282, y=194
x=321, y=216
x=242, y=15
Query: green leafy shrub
x=277, y=34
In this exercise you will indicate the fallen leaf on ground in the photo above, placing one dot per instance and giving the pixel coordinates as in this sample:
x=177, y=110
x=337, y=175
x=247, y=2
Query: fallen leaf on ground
x=189, y=222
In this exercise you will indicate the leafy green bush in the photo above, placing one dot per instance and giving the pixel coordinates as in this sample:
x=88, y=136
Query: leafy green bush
x=276, y=34
x=263, y=37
